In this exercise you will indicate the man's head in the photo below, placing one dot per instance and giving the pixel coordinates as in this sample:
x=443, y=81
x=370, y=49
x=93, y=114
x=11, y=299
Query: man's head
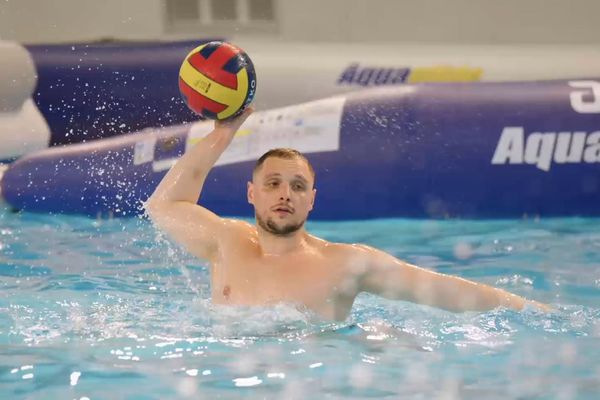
x=282, y=191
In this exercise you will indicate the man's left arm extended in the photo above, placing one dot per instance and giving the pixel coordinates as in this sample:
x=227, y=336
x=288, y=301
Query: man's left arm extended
x=392, y=278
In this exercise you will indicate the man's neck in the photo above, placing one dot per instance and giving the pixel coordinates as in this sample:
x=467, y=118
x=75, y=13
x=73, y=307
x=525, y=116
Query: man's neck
x=274, y=245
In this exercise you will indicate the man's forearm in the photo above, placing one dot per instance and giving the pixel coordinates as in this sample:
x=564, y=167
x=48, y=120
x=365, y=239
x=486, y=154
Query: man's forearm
x=463, y=295
x=488, y=297
x=185, y=179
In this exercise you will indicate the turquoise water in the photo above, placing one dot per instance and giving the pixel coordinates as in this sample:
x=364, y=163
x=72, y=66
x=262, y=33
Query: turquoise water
x=110, y=310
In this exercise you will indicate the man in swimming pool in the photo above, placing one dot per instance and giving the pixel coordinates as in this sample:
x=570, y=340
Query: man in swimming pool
x=276, y=260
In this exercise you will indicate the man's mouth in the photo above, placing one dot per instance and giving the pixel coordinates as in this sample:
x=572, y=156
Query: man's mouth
x=283, y=209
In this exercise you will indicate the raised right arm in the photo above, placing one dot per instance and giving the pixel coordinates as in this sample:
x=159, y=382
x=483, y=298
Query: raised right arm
x=173, y=205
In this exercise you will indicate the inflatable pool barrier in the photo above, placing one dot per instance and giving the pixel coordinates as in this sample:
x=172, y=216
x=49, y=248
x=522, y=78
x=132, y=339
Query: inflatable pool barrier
x=53, y=94
x=441, y=150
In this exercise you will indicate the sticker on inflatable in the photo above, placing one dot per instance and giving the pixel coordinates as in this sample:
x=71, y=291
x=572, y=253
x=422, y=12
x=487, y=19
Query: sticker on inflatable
x=357, y=75
x=542, y=149
x=587, y=99
x=144, y=151
x=545, y=148
x=309, y=128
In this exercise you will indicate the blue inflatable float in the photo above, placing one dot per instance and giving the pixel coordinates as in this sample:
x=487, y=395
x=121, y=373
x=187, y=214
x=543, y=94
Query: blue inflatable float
x=87, y=91
x=469, y=150
x=54, y=94
x=98, y=90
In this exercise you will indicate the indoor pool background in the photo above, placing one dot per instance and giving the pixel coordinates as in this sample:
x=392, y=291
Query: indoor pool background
x=108, y=309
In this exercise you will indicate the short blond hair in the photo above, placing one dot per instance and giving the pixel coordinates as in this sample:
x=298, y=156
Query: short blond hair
x=286, y=154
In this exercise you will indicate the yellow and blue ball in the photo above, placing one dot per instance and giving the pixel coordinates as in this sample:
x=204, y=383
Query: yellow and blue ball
x=217, y=80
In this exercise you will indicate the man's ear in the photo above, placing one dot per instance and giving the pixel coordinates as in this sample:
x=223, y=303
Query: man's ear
x=312, y=202
x=250, y=192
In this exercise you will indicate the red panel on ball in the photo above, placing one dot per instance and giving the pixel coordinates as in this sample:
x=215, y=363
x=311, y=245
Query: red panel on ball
x=197, y=102
x=213, y=66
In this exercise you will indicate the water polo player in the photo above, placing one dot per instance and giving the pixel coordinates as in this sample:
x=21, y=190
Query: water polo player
x=276, y=260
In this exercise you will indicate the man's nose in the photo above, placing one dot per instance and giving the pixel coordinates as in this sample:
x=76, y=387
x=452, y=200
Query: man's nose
x=284, y=192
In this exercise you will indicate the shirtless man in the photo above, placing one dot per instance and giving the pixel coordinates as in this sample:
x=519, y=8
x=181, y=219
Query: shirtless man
x=277, y=260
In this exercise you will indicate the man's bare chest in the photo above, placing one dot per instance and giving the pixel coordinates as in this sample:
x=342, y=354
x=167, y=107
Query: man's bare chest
x=309, y=279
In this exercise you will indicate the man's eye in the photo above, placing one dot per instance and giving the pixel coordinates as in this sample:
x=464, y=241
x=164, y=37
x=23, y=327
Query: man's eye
x=299, y=187
x=272, y=184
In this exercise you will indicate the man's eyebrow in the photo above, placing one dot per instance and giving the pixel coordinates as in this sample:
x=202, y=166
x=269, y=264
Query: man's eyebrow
x=278, y=175
x=303, y=179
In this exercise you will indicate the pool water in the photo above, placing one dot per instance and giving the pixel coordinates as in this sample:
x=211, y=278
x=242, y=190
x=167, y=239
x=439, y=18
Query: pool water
x=111, y=310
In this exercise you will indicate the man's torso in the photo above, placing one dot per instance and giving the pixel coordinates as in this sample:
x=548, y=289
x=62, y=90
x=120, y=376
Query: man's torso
x=319, y=276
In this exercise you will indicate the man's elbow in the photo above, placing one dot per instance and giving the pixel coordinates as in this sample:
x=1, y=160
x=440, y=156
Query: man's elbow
x=153, y=208
x=163, y=213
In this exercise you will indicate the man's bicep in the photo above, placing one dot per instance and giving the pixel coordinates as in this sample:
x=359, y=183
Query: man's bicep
x=196, y=228
x=392, y=278
x=395, y=279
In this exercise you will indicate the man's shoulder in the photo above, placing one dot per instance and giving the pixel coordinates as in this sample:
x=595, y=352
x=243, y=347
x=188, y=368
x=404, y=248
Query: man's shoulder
x=352, y=258
x=351, y=252
x=238, y=229
x=347, y=248
x=238, y=224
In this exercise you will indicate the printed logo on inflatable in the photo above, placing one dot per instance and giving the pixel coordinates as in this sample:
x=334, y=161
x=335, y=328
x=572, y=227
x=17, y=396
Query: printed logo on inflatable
x=543, y=148
x=355, y=75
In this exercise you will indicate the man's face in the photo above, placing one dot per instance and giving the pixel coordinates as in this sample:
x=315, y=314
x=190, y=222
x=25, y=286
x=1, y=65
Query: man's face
x=282, y=194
